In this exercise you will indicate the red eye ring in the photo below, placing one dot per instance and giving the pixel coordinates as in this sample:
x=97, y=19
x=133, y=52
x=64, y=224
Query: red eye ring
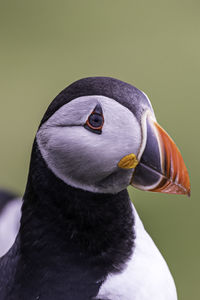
x=95, y=127
x=95, y=120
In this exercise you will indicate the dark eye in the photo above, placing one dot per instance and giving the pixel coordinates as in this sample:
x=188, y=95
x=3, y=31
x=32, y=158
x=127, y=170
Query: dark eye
x=95, y=121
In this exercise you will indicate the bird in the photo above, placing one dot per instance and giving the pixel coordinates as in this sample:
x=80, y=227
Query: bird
x=10, y=212
x=80, y=236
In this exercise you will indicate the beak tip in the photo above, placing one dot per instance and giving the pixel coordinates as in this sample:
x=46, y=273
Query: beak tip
x=189, y=193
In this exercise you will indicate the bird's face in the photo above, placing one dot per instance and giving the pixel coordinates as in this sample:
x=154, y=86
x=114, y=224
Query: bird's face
x=84, y=141
x=99, y=145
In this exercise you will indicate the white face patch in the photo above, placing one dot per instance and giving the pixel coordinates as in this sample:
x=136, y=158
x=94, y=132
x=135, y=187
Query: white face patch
x=84, y=159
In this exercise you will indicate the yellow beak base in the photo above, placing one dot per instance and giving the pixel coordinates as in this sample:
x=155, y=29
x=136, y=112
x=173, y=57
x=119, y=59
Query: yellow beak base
x=128, y=162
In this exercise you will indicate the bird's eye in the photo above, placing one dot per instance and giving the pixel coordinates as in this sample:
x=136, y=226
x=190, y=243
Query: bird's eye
x=95, y=121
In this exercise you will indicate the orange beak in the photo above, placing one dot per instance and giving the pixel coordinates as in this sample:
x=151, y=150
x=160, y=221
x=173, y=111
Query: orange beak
x=161, y=167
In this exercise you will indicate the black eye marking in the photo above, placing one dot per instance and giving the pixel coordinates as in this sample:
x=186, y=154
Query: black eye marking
x=95, y=120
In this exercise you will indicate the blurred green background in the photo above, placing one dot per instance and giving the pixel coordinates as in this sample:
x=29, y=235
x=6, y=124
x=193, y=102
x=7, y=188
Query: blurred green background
x=154, y=45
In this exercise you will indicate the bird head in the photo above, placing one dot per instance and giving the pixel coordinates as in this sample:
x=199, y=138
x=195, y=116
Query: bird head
x=101, y=135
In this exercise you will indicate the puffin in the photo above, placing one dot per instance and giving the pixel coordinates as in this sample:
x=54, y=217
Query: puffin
x=80, y=237
x=10, y=212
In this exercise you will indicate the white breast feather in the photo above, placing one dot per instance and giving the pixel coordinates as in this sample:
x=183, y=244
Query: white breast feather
x=9, y=224
x=146, y=276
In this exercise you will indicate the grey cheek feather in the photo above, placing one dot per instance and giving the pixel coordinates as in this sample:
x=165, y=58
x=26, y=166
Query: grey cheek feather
x=84, y=159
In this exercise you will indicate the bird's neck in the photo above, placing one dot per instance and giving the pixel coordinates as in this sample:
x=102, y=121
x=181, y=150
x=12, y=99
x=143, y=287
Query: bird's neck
x=69, y=239
x=60, y=220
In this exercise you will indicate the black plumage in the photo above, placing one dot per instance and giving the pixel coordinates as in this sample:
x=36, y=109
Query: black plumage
x=67, y=242
x=124, y=93
x=69, y=239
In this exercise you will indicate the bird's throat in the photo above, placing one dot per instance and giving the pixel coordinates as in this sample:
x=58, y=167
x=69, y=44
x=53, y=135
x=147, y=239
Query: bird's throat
x=58, y=219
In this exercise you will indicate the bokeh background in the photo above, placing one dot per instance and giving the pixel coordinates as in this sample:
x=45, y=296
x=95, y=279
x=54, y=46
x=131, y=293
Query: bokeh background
x=155, y=45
